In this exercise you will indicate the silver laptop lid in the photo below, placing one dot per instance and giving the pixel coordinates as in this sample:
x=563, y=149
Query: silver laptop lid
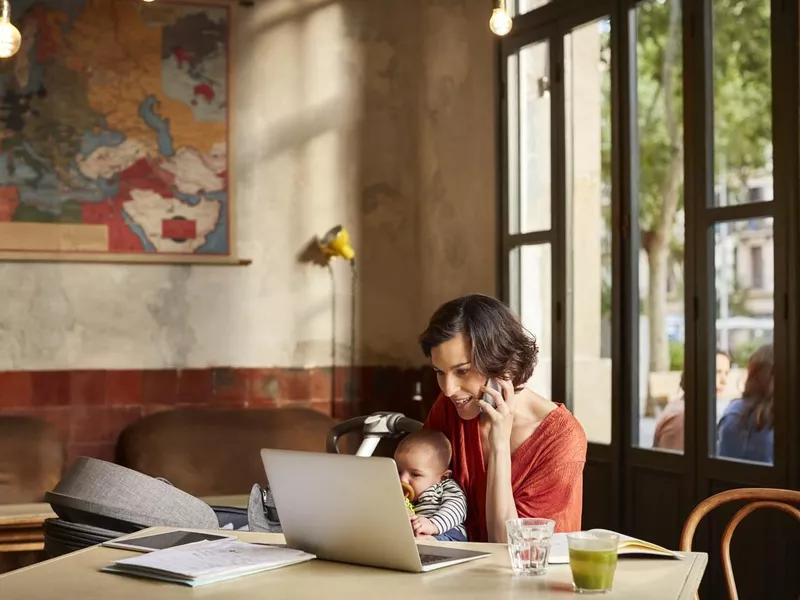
x=342, y=508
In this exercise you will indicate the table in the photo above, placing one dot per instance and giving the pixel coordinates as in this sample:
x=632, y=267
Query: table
x=21, y=524
x=76, y=576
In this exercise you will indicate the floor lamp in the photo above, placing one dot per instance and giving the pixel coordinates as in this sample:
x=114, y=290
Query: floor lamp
x=336, y=244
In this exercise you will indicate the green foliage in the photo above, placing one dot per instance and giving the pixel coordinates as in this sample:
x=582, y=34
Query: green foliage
x=605, y=298
x=654, y=143
x=737, y=302
x=742, y=95
x=676, y=354
x=742, y=89
x=741, y=354
x=742, y=112
x=605, y=114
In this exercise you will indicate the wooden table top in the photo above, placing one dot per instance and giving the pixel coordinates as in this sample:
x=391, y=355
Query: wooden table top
x=77, y=576
x=25, y=514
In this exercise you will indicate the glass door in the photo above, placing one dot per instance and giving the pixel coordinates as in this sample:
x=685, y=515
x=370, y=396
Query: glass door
x=560, y=247
x=651, y=232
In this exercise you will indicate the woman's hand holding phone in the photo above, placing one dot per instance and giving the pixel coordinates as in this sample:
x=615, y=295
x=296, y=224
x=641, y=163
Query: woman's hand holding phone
x=487, y=397
x=500, y=411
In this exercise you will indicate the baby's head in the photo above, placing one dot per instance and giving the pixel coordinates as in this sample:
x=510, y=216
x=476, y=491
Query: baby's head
x=423, y=459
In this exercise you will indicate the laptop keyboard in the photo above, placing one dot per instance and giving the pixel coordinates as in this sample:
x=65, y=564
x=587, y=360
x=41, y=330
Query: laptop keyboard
x=430, y=559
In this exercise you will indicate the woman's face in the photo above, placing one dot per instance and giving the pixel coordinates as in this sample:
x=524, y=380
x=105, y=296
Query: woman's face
x=723, y=369
x=457, y=379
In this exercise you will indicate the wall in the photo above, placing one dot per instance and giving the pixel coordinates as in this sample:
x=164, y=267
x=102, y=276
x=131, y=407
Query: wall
x=376, y=115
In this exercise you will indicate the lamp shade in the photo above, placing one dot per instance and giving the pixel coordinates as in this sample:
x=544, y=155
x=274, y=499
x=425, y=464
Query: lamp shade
x=337, y=243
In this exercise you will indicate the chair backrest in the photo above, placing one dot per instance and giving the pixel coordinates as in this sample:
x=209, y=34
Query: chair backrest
x=213, y=452
x=33, y=455
x=756, y=498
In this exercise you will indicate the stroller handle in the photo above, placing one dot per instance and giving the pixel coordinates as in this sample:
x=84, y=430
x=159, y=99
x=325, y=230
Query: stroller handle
x=377, y=425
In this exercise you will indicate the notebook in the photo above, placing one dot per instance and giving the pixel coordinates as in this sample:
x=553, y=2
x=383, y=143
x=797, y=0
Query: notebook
x=628, y=546
x=207, y=562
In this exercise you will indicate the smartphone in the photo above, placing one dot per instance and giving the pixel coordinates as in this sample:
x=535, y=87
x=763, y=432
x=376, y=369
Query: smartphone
x=491, y=383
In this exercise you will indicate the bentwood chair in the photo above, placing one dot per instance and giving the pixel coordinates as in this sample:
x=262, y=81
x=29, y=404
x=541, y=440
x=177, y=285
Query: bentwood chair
x=756, y=498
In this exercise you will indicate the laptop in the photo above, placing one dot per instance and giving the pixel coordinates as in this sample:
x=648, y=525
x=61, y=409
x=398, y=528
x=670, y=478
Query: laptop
x=350, y=509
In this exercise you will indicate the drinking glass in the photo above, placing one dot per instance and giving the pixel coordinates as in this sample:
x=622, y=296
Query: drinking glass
x=593, y=560
x=529, y=545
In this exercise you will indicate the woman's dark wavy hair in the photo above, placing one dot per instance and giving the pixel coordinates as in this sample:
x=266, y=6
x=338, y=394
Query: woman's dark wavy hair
x=500, y=346
x=759, y=389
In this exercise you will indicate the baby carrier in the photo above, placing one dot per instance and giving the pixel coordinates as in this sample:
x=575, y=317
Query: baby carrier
x=374, y=428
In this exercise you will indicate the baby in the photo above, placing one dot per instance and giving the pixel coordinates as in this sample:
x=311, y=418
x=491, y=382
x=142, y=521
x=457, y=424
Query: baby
x=423, y=461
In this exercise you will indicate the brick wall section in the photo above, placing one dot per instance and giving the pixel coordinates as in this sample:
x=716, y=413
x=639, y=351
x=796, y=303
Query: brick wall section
x=92, y=407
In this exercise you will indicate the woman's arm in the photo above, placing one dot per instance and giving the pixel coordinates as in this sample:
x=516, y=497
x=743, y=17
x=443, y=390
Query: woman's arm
x=553, y=486
x=500, y=504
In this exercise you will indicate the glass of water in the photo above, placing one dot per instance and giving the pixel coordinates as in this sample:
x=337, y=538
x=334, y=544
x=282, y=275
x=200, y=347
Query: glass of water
x=529, y=545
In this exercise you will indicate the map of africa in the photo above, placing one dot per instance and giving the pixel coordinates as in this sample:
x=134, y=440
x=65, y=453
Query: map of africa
x=114, y=130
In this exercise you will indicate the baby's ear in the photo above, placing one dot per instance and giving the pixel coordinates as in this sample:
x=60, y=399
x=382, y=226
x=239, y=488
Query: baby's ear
x=447, y=474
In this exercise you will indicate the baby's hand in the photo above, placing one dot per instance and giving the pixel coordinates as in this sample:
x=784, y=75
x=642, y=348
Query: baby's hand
x=423, y=526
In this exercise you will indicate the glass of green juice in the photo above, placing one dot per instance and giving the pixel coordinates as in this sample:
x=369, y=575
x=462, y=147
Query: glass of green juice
x=593, y=560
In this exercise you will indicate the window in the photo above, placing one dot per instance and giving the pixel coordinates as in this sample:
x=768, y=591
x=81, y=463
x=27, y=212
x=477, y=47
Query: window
x=533, y=275
x=525, y=6
x=587, y=99
x=644, y=247
x=531, y=210
x=742, y=380
x=742, y=101
x=528, y=244
x=744, y=335
x=756, y=267
x=660, y=212
x=649, y=240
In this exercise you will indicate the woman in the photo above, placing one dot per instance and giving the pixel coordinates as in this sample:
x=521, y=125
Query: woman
x=746, y=428
x=669, y=426
x=523, y=457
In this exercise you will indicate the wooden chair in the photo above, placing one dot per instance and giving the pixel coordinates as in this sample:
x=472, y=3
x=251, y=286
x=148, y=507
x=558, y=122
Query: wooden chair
x=756, y=498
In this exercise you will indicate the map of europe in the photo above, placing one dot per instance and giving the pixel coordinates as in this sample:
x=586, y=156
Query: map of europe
x=114, y=130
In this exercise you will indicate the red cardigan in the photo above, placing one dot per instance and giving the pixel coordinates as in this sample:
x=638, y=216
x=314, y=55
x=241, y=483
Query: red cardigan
x=546, y=470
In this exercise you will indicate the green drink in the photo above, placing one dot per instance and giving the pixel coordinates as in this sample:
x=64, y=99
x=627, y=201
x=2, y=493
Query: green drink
x=593, y=560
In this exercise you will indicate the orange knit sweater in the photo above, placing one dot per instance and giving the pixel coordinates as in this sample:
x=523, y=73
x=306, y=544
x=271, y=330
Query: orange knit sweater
x=546, y=470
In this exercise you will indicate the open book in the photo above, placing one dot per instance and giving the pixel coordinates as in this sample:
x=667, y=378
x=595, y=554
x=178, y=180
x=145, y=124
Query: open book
x=207, y=562
x=628, y=546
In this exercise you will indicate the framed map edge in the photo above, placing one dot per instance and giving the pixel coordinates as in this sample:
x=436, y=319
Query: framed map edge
x=231, y=258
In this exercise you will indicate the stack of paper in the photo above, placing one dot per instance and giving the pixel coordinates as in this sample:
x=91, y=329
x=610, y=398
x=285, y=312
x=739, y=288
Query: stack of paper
x=559, y=551
x=208, y=562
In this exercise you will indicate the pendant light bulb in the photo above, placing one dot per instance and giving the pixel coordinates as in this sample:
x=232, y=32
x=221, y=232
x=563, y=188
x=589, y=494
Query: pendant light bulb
x=500, y=22
x=10, y=37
